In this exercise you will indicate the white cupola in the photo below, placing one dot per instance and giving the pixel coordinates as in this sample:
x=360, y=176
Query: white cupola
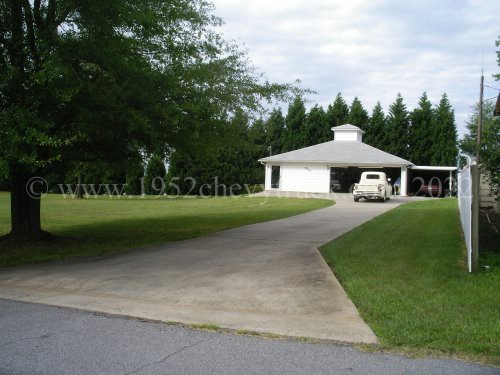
x=348, y=132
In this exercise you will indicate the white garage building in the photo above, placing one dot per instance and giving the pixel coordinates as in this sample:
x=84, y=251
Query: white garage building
x=335, y=165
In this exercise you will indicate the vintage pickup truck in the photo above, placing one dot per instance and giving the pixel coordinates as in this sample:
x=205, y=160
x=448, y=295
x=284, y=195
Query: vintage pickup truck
x=373, y=185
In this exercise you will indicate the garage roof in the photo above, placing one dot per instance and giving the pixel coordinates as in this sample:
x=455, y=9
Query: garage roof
x=340, y=152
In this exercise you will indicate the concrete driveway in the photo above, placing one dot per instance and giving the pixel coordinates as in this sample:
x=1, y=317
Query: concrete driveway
x=266, y=277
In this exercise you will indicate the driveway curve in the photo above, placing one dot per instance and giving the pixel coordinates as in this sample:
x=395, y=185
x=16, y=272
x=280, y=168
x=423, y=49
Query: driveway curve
x=267, y=277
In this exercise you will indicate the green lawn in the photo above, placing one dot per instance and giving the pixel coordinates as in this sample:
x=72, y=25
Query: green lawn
x=405, y=271
x=104, y=225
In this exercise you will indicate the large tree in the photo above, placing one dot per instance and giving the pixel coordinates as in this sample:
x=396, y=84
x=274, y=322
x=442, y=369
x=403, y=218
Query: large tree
x=102, y=80
x=396, y=140
x=421, y=132
x=444, y=145
x=338, y=112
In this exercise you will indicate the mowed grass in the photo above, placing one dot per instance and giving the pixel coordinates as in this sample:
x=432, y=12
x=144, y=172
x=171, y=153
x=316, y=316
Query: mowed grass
x=103, y=225
x=405, y=271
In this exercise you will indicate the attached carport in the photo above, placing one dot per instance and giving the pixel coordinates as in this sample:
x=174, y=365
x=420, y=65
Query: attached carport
x=420, y=176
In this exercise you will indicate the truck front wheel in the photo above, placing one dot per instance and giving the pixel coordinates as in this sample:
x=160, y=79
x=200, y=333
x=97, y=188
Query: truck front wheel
x=356, y=199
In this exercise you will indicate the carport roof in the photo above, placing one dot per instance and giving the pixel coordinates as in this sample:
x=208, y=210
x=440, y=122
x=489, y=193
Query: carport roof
x=340, y=152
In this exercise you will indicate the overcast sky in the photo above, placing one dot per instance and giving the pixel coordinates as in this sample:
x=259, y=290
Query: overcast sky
x=371, y=49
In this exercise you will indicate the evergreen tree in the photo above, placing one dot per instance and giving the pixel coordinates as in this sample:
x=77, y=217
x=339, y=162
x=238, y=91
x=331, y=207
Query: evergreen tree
x=257, y=133
x=421, y=132
x=258, y=147
x=396, y=139
x=317, y=128
x=233, y=161
x=155, y=173
x=444, y=148
x=275, y=131
x=295, y=125
x=238, y=128
x=376, y=132
x=338, y=112
x=96, y=172
x=134, y=174
x=358, y=115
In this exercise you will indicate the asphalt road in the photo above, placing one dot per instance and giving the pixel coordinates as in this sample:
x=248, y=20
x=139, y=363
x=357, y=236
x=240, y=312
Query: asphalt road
x=39, y=339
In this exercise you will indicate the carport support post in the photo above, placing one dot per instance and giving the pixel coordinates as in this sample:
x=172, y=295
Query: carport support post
x=451, y=183
x=404, y=178
x=267, y=180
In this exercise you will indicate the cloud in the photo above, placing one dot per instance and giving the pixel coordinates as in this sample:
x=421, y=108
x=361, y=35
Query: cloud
x=371, y=50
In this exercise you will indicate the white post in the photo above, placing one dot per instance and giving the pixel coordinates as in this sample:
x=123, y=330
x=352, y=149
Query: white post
x=451, y=184
x=404, y=180
x=267, y=183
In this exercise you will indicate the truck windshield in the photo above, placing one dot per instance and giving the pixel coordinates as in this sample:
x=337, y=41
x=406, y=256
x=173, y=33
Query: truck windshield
x=372, y=177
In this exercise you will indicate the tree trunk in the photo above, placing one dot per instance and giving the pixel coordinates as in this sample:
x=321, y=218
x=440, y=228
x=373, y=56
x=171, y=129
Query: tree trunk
x=25, y=205
x=79, y=190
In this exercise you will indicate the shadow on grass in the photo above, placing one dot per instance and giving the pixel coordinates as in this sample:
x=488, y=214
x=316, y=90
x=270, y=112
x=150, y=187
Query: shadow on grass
x=107, y=236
